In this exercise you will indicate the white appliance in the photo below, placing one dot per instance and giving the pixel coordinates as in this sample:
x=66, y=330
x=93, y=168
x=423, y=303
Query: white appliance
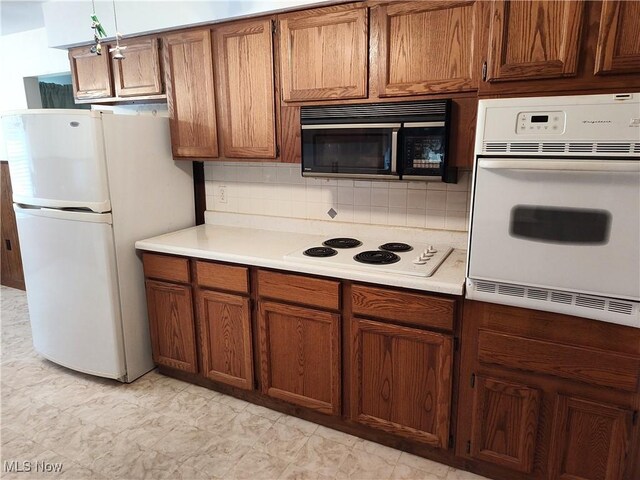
x=374, y=255
x=86, y=186
x=555, y=220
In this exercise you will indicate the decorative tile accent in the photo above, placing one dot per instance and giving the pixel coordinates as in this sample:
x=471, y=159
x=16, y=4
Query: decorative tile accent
x=277, y=189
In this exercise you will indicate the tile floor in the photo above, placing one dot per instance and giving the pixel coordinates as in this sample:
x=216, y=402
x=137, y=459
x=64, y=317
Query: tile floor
x=158, y=427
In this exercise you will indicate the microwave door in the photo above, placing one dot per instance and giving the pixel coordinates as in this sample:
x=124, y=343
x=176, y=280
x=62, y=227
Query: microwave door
x=355, y=150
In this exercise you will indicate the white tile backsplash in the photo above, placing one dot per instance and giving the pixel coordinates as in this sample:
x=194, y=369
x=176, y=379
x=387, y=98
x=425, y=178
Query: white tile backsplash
x=279, y=190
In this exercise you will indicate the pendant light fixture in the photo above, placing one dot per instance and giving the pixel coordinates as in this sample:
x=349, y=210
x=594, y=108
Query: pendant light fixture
x=98, y=31
x=117, y=50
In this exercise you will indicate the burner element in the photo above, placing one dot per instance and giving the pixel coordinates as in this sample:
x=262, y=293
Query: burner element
x=342, y=243
x=396, y=247
x=376, y=257
x=320, y=252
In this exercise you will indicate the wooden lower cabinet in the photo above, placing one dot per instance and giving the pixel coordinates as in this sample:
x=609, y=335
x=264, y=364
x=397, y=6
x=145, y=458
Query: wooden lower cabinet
x=225, y=338
x=590, y=440
x=171, y=325
x=401, y=380
x=504, y=423
x=300, y=355
x=11, y=271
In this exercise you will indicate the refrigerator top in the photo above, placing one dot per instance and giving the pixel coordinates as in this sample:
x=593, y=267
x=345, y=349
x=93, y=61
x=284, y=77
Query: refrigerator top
x=57, y=159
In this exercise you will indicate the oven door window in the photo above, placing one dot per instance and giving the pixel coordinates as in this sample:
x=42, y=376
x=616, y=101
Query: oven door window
x=577, y=226
x=359, y=151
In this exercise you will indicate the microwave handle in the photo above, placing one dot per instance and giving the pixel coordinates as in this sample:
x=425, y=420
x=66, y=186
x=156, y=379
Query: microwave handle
x=562, y=165
x=394, y=151
x=351, y=126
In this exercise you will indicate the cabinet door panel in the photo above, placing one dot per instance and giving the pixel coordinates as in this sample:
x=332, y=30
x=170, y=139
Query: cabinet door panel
x=246, y=90
x=300, y=356
x=535, y=39
x=505, y=423
x=139, y=72
x=426, y=47
x=323, y=53
x=90, y=73
x=225, y=323
x=589, y=440
x=190, y=95
x=171, y=325
x=11, y=271
x=384, y=396
x=618, y=48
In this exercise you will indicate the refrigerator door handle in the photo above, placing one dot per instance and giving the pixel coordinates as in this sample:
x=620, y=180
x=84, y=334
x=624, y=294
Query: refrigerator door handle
x=64, y=214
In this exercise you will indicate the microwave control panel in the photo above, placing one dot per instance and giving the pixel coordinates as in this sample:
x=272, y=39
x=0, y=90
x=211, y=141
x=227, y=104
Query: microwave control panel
x=541, y=123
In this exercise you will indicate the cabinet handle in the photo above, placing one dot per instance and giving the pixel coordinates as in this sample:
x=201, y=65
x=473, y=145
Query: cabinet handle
x=7, y=243
x=484, y=72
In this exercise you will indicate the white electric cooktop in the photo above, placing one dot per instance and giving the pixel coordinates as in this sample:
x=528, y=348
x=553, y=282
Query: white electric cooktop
x=420, y=260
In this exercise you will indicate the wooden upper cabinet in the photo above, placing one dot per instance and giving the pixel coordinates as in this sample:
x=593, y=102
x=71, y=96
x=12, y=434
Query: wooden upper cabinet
x=534, y=39
x=90, y=73
x=225, y=330
x=323, y=53
x=426, y=47
x=618, y=47
x=504, y=423
x=384, y=396
x=590, y=440
x=190, y=94
x=138, y=74
x=245, y=89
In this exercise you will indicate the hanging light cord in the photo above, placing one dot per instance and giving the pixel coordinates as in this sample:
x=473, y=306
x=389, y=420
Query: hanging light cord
x=115, y=17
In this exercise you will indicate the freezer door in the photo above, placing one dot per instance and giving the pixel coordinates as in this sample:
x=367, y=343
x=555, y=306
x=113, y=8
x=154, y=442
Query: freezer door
x=70, y=274
x=56, y=159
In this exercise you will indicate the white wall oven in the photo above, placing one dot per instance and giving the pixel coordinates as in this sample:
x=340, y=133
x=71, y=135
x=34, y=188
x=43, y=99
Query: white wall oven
x=555, y=222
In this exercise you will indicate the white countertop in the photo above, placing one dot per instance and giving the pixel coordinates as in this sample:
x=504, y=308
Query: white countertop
x=267, y=248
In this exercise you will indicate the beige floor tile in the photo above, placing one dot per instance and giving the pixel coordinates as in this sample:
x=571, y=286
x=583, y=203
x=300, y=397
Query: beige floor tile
x=257, y=466
x=365, y=466
x=337, y=436
x=263, y=412
x=308, y=428
x=244, y=428
x=298, y=473
x=390, y=455
x=281, y=440
x=183, y=440
x=218, y=458
x=213, y=416
x=429, y=466
x=321, y=455
x=462, y=475
x=232, y=402
x=405, y=472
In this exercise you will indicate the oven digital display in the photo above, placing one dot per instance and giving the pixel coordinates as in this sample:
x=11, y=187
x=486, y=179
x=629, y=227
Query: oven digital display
x=539, y=118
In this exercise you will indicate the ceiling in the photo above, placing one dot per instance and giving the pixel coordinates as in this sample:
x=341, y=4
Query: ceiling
x=20, y=15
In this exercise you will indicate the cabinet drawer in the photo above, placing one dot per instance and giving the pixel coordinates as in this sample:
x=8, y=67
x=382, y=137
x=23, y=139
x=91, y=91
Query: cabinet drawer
x=412, y=308
x=223, y=277
x=299, y=289
x=575, y=363
x=163, y=267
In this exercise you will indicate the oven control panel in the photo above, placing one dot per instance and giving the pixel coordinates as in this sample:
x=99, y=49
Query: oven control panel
x=541, y=123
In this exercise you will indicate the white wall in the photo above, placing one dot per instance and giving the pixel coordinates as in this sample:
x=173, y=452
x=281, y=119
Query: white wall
x=68, y=22
x=25, y=54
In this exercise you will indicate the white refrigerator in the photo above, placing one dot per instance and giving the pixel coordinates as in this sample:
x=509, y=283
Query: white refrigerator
x=87, y=185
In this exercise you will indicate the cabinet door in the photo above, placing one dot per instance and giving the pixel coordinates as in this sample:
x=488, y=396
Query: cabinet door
x=173, y=338
x=401, y=381
x=138, y=73
x=426, y=47
x=190, y=95
x=323, y=53
x=505, y=423
x=589, y=440
x=225, y=328
x=534, y=39
x=300, y=356
x=11, y=271
x=618, y=47
x=90, y=73
x=245, y=89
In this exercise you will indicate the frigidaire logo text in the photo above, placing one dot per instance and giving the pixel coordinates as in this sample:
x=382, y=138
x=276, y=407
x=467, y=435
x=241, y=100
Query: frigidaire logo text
x=597, y=121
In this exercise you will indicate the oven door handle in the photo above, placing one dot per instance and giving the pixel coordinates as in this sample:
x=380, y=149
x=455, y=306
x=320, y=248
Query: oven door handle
x=562, y=165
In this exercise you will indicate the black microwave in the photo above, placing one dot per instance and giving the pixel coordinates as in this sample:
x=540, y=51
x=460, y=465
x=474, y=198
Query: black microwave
x=408, y=140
